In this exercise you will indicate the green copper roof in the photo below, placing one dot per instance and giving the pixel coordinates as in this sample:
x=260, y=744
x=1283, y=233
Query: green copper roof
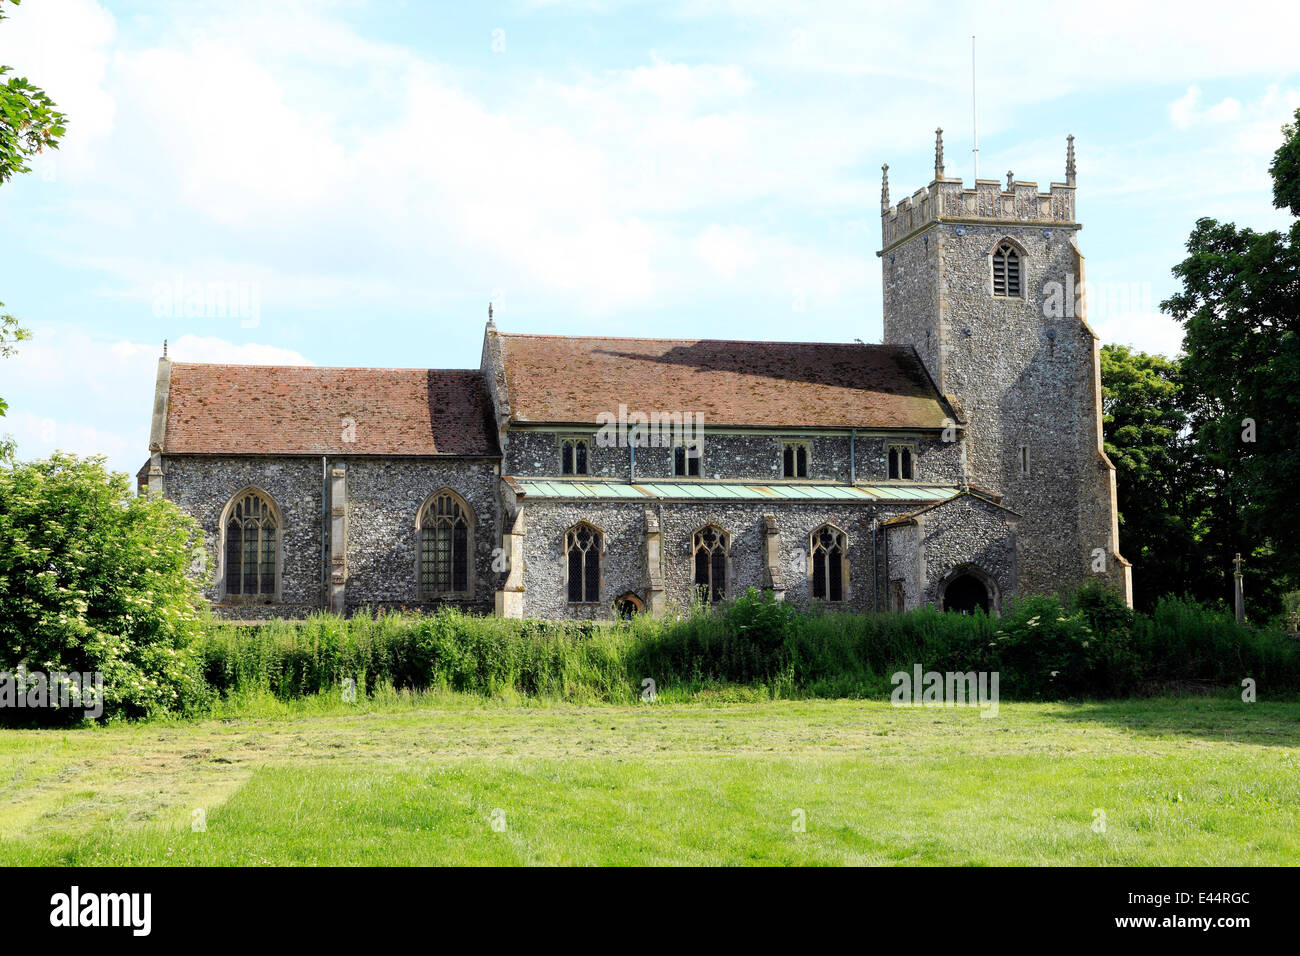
x=703, y=491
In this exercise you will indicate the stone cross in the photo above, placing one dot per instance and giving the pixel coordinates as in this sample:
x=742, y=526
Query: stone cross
x=1238, y=593
x=1010, y=179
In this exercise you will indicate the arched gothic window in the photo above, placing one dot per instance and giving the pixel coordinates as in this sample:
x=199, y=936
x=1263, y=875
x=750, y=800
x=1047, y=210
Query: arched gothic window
x=446, y=525
x=709, y=547
x=251, y=530
x=582, y=547
x=827, y=548
x=1006, y=270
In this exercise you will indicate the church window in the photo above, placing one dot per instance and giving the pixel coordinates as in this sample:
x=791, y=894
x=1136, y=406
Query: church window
x=445, y=524
x=686, y=460
x=794, y=460
x=709, y=548
x=251, y=532
x=901, y=463
x=1006, y=271
x=1024, y=459
x=573, y=456
x=828, y=547
x=582, y=547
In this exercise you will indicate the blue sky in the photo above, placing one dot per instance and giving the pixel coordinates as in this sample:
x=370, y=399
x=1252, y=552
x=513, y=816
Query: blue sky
x=359, y=179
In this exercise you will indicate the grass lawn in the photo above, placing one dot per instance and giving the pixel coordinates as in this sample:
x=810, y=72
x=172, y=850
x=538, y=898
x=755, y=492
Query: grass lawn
x=447, y=779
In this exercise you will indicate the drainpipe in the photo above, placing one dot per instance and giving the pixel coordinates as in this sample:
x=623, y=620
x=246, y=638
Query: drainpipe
x=631, y=450
x=875, y=568
x=853, y=462
x=884, y=537
x=324, y=535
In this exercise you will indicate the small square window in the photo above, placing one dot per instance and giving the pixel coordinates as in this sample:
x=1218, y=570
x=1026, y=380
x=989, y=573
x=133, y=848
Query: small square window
x=902, y=465
x=573, y=456
x=686, y=460
x=794, y=459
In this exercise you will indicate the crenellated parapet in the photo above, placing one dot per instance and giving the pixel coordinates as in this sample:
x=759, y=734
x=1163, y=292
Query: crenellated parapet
x=947, y=199
x=989, y=201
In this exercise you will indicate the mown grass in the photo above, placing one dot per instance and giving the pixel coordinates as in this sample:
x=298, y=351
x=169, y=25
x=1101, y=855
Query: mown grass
x=405, y=778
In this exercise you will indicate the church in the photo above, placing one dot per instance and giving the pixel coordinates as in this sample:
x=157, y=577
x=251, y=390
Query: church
x=958, y=464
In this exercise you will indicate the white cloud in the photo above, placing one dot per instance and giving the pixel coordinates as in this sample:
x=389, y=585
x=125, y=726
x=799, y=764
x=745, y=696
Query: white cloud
x=63, y=47
x=1147, y=332
x=88, y=394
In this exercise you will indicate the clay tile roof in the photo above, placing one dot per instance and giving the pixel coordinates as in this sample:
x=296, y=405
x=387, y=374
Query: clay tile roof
x=774, y=384
x=297, y=410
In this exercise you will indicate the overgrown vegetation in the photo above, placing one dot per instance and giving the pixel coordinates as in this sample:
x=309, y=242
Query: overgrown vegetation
x=1091, y=647
x=95, y=579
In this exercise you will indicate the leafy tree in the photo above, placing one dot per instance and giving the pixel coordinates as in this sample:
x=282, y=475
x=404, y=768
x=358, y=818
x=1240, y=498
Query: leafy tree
x=93, y=578
x=1145, y=428
x=29, y=123
x=1240, y=308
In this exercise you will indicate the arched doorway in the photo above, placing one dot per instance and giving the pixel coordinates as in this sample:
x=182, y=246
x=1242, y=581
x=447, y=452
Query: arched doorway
x=967, y=588
x=628, y=606
x=965, y=594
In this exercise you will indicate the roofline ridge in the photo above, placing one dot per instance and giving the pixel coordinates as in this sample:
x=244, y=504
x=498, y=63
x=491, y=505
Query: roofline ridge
x=645, y=338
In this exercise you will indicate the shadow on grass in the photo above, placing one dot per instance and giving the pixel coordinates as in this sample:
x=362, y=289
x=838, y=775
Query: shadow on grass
x=1221, y=718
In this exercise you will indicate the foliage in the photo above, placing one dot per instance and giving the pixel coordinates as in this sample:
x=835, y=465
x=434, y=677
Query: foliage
x=1241, y=312
x=93, y=578
x=1158, y=480
x=29, y=122
x=10, y=332
x=1091, y=647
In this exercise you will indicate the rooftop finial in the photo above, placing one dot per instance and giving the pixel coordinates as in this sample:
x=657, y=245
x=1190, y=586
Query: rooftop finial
x=938, y=153
x=1069, y=160
x=164, y=348
x=490, y=322
x=884, y=188
x=1011, y=178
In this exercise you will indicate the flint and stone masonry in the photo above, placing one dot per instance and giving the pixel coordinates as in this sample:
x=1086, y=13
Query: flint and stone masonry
x=958, y=464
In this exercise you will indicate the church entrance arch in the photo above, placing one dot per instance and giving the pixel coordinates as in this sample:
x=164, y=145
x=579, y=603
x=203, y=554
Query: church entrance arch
x=966, y=588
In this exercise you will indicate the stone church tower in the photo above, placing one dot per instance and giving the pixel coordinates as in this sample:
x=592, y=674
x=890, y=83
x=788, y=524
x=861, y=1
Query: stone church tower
x=986, y=284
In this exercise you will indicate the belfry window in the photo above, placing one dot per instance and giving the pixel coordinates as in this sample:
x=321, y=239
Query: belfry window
x=709, y=547
x=251, y=528
x=573, y=456
x=827, y=548
x=1006, y=271
x=445, y=524
x=582, y=547
x=901, y=459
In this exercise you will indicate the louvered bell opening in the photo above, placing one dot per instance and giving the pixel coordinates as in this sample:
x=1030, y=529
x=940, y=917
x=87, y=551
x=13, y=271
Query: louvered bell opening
x=1013, y=274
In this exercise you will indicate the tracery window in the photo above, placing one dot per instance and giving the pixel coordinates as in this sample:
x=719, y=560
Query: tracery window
x=445, y=523
x=709, y=549
x=582, y=548
x=250, y=530
x=827, y=548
